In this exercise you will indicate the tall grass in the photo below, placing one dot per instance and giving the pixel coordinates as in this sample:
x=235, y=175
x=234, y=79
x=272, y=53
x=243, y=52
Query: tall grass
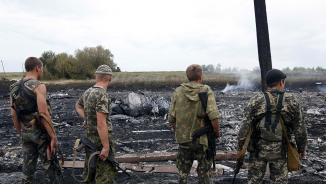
x=163, y=79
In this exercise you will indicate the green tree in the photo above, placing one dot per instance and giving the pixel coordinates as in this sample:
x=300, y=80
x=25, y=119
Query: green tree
x=287, y=69
x=91, y=57
x=65, y=66
x=218, y=67
x=321, y=69
x=210, y=68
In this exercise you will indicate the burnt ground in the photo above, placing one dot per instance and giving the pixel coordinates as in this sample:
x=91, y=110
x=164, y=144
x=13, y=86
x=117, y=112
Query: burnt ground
x=128, y=140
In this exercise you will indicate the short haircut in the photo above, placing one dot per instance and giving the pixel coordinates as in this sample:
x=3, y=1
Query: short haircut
x=193, y=72
x=102, y=77
x=31, y=63
x=271, y=85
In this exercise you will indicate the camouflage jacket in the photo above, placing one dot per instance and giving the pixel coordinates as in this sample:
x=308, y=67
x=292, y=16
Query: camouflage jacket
x=291, y=113
x=95, y=99
x=185, y=107
x=22, y=102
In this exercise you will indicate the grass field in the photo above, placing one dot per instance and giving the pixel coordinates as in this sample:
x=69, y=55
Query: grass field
x=139, y=79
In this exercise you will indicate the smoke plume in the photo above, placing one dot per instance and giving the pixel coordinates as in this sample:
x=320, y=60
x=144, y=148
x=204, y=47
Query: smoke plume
x=244, y=84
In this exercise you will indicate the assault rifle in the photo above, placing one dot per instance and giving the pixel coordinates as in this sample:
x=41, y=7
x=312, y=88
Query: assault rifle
x=51, y=157
x=85, y=143
x=208, y=129
x=242, y=154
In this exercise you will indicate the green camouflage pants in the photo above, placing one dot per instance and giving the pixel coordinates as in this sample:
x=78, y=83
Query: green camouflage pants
x=257, y=169
x=33, y=148
x=104, y=172
x=189, y=152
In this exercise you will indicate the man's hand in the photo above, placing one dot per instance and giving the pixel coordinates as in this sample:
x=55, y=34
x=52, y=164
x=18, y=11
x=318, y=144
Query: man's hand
x=217, y=135
x=302, y=155
x=216, y=126
x=104, y=154
x=53, y=145
x=84, y=125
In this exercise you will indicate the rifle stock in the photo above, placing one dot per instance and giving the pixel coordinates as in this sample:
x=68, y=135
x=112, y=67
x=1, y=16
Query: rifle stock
x=238, y=165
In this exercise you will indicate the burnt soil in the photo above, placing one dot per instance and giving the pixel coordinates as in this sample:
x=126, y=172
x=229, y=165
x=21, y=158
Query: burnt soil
x=68, y=127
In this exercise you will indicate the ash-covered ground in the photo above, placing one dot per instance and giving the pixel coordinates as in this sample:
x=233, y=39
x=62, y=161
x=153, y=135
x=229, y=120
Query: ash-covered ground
x=150, y=132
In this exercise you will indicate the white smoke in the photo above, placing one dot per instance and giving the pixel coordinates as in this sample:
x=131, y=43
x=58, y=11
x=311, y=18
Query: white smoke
x=244, y=84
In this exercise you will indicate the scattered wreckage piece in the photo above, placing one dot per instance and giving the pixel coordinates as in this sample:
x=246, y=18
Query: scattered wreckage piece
x=155, y=157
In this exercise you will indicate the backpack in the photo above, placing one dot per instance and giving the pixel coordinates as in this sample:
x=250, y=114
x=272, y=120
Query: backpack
x=269, y=126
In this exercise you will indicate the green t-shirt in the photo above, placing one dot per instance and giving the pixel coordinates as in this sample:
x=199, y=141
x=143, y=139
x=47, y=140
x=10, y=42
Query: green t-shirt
x=95, y=99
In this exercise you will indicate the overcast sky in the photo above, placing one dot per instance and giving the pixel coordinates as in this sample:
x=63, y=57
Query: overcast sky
x=164, y=35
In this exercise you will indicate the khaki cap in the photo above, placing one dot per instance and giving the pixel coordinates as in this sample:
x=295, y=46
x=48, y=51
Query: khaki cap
x=104, y=70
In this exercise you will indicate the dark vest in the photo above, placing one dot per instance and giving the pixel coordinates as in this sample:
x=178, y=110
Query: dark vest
x=24, y=99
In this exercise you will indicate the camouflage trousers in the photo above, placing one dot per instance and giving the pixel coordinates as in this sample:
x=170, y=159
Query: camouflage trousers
x=104, y=172
x=34, y=147
x=187, y=153
x=257, y=168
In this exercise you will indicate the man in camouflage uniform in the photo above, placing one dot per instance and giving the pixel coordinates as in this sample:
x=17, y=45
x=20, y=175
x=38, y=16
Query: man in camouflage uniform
x=185, y=107
x=22, y=110
x=273, y=153
x=94, y=107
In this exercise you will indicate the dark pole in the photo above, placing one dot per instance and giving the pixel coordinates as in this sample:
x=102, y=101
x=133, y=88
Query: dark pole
x=264, y=51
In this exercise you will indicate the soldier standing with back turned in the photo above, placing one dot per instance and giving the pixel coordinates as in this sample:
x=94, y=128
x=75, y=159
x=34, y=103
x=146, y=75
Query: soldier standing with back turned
x=27, y=97
x=94, y=107
x=185, y=107
x=269, y=145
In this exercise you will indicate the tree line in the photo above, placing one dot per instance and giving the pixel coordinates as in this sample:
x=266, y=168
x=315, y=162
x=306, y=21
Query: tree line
x=81, y=65
x=218, y=68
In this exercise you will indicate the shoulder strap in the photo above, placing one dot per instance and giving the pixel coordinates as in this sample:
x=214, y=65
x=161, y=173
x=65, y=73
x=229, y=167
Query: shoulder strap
x=278, y=110
x=28, y=96
x=16, y=93
x=281, y=120
x=268, y=118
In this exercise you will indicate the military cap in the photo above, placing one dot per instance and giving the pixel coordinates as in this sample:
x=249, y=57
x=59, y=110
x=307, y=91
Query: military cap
x=274, y=75
x=104, y=70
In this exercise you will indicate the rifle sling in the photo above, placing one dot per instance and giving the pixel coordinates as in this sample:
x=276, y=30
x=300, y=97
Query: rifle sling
x=89, y=161
x=52, y=127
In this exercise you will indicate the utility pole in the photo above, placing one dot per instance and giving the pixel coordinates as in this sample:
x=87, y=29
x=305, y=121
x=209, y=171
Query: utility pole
x=3, y=67
x=264, y=50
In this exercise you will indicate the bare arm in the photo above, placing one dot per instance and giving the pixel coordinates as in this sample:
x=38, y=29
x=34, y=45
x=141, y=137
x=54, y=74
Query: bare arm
x=14, y=118
x=80, y=110
x=102, y=130
x=40, y=92
x=216, y=125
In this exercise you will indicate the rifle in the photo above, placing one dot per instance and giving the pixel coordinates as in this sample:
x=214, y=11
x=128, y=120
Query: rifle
x=51, y=157
x=208, y=129
x=94, y=150
x=242, y=154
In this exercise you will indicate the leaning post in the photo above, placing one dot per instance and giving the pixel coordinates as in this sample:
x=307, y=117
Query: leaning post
x=264, y=51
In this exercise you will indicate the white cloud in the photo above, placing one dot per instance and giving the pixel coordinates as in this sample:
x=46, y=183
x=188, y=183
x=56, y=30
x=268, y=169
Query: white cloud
x=164, y=35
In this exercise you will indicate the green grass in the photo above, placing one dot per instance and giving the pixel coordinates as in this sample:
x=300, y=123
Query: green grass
x=163, y=79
